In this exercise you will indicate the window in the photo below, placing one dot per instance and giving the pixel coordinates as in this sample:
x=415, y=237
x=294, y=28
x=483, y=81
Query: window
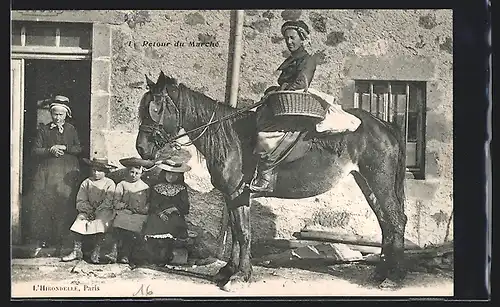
x=402, y=103
x=49, y=38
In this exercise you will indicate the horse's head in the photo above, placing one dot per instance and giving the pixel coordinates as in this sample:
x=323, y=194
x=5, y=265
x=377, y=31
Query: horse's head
x=159, y=116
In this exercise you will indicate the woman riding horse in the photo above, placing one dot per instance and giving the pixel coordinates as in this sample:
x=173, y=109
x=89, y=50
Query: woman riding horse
x=297, y=72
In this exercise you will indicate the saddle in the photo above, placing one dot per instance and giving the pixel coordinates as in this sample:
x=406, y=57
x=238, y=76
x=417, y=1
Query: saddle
x=295, y=145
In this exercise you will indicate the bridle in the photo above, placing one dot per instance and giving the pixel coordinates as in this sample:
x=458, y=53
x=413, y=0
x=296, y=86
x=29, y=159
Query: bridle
x=158, y=133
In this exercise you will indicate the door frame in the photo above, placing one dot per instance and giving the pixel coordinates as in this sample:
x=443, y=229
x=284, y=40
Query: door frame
x=100, y=57
x=16, y=146
x=16, y=128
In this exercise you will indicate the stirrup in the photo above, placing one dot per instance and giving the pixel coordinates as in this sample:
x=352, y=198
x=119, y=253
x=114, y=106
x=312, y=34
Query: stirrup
x=268, y=184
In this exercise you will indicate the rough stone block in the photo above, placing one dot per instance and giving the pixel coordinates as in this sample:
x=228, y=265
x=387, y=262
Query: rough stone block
x=98, y=146
x=101, y=70
x=99, y=111
x=101, y=41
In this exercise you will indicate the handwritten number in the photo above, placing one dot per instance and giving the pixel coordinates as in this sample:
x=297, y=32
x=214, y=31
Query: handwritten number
x=143, y=291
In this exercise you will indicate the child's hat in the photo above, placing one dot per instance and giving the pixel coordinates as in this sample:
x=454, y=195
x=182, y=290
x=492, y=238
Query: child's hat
x=99, y=163
x=173, y=166
x=136, y=162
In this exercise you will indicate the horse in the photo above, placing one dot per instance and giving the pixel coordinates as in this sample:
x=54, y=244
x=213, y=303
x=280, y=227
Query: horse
x=374, y=154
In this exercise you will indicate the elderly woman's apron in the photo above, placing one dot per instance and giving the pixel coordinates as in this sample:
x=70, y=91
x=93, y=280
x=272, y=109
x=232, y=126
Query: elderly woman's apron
x=54, y=185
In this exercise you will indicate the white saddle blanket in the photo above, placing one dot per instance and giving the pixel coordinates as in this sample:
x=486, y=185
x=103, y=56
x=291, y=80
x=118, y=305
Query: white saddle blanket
x=336, y=119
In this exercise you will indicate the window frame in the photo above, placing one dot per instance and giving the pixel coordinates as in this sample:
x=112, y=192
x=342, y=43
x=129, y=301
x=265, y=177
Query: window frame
x=417, y=171
x=50, y=52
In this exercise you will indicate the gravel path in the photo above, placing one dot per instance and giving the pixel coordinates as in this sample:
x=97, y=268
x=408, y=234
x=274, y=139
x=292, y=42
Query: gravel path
x=30, y=276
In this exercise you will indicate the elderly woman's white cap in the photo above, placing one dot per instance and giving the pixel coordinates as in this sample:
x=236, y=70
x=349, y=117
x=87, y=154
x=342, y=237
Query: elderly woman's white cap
x=62, y=103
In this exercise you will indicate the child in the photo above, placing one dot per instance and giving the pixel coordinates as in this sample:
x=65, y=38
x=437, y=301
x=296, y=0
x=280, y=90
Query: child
x=94, y=203
x=131, y=207
x=169, y=204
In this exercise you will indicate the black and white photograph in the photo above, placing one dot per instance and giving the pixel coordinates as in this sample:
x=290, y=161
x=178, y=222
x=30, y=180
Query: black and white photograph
x=232, y=153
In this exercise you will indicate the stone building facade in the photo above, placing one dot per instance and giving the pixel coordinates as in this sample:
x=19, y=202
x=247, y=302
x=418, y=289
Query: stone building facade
x=359, y=53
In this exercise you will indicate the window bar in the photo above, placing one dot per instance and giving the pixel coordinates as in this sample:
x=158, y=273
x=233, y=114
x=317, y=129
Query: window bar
x=23, y=36
x=371, y=96
x=390, y=117
x=58, y=37
x=420, y=105
x=406, y=110
x=386, y=106
x=377, y=105
x=356, y=99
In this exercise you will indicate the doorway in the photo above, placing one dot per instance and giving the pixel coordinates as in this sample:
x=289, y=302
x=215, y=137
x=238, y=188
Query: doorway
x=44, y=79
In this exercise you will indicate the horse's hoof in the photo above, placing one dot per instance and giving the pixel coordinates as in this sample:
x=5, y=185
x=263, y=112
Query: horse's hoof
x=223, y=275
x=388, y=284
x=220, y=279
x=376, y=277
x=226, y=286
x=236, y=282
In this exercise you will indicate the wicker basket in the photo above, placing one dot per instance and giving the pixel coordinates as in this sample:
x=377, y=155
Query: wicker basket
x=296, y=103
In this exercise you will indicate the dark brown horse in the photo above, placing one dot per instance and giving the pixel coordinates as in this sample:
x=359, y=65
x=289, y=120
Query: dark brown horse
x=374, y=154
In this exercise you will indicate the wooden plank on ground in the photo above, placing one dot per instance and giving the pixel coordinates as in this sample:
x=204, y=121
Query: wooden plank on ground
x=291, y=244
x=328, y=236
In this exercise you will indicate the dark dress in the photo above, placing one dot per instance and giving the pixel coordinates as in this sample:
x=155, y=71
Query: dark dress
x=54, y=186
x=295, y=70
x=172, y=200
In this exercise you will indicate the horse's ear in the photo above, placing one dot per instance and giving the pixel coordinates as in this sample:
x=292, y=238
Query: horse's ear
x=149, y=83
x=161, y=82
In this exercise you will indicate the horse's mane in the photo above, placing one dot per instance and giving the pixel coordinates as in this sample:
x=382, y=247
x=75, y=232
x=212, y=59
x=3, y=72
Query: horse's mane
x=219, y=139
x=143, y=107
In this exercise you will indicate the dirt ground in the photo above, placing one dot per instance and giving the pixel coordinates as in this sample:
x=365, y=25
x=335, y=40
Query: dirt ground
x=80, y=279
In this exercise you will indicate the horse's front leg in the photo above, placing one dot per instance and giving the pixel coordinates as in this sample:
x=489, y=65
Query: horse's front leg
x=222, y=277
x=242, y=233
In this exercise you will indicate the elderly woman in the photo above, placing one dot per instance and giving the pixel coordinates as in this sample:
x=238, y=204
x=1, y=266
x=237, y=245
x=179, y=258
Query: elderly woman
x=275, y=134
x=56, y=178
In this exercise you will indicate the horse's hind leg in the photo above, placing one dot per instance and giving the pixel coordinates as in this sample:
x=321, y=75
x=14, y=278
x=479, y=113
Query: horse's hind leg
x=393, y=222
x=395, y=253
x=380, y=272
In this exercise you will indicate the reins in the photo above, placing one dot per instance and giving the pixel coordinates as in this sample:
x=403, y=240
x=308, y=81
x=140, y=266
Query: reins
x=205, y=126
x=157, y=130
